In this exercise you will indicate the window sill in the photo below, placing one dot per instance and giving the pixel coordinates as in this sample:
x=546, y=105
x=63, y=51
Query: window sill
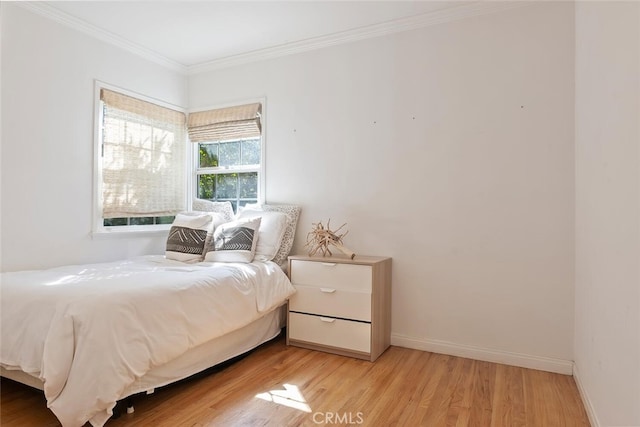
x=130, y=231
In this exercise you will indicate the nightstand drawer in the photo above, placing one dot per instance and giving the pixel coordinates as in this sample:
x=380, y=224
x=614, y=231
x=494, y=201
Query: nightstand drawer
x=338, y=333
x=331, y=302
x=331, y=275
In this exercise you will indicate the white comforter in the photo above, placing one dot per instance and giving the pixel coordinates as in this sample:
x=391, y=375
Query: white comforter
x=88, y=331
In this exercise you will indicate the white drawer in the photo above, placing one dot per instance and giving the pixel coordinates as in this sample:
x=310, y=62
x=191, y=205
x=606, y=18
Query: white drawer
x=332, y=332
x=332, y=302
x=353, y=277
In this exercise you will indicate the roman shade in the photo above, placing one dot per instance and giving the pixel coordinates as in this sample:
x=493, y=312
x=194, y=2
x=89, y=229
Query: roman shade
x=143, y=158
x=241, y=121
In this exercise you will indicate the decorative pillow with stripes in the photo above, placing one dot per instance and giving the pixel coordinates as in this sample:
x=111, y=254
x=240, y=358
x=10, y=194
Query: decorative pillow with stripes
x=187, y=237
x=234, y=241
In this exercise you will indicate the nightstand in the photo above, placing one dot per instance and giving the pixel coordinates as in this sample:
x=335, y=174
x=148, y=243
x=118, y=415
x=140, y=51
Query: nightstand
x=341, y=306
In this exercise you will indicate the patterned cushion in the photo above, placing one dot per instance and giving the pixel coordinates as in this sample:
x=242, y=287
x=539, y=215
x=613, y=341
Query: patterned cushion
x=234, y=241
x=293, y=213
x=187, y=237
x=272, y=227
x=223, y=208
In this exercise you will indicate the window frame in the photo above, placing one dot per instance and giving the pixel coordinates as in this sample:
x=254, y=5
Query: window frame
x=98, y=227
x=218, y=170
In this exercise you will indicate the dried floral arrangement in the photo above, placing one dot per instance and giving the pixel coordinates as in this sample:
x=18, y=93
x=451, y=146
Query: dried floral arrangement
x=320, y=238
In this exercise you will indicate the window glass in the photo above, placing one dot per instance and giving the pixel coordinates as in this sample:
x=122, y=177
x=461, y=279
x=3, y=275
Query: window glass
x=207, y=187
x=208, y=155
x=248, y=185
x=229, y=171
x=229, y=153
x=227, y=186
x=251, y=152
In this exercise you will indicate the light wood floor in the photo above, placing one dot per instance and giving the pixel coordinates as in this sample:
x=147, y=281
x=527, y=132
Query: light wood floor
x=279, y=386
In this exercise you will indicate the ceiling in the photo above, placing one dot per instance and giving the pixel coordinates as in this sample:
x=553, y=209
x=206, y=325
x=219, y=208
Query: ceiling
x=193, y=33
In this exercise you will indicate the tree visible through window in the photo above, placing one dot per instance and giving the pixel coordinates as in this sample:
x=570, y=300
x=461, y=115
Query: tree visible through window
x=228, y=171
x=229, y=153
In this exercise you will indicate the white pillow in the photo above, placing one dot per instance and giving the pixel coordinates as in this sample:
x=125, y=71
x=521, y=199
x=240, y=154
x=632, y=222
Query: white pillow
x=234, y=241
x=187, y=237
x=272, y=227
x=223, y=208
x=292, y=212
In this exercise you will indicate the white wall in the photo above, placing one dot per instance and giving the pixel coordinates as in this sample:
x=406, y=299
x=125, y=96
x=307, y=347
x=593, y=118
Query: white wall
x=48, y=73
x=449, y=148
x=607, y=332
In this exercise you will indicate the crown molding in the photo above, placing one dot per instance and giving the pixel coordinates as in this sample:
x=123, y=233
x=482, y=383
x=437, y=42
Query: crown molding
x=436, y=17
x=376, y=30
x=48, y=11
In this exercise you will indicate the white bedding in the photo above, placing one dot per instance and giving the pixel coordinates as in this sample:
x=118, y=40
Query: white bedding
x=90, y=331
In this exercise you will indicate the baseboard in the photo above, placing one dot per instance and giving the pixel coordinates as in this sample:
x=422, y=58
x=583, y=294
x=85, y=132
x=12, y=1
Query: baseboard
x=548, y=364
x=588, y=406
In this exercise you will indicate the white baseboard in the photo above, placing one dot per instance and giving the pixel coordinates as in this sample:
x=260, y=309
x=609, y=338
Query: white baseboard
x=548, y=364
x=588, y=406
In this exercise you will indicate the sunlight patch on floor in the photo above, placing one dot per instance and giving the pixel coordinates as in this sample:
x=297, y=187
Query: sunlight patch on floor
x=290, y=397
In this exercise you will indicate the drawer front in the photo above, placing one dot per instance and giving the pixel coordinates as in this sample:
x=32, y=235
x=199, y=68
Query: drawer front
x=353, y=277
x=332, y=332
x=332, y=302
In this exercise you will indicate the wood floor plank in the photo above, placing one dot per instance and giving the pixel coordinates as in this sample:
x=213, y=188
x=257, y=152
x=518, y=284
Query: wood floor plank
x=570, y=400
x=408, y=412
x=278, y=386
x=438, y=408
x=398, y=384
x=482, y=394
x=508, y=403
x=437, y=370
x=461, y=408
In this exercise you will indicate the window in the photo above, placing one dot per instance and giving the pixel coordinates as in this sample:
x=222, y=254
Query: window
x=229, y=170
x=228, y=151
x=141, y=162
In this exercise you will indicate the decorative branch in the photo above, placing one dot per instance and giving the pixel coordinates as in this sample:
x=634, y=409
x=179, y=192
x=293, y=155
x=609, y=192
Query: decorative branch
x=320, y=238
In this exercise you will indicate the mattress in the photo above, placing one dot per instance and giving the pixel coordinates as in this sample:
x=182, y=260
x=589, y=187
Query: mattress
x=125, y=320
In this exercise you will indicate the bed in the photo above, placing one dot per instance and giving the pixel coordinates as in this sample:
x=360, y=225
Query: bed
x=91, y=335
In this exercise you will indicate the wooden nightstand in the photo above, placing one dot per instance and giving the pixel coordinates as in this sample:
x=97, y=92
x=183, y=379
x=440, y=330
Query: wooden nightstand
x=341, y=306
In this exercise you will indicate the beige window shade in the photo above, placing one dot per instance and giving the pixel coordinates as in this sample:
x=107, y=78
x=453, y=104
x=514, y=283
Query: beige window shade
x=242, y=121
x=143, y=159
